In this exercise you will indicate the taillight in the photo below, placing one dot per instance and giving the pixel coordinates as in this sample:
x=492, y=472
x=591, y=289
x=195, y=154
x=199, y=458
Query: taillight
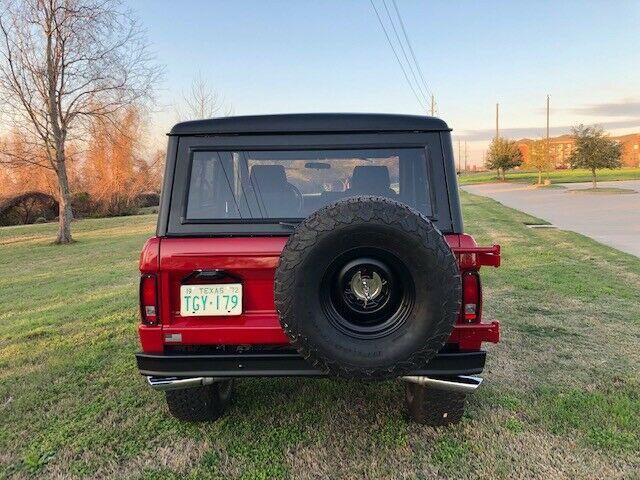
x=149, y=299
x=471, y=298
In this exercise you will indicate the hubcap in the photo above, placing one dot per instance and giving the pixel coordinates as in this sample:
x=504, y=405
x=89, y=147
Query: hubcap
x=364, y=296
x=366, y=286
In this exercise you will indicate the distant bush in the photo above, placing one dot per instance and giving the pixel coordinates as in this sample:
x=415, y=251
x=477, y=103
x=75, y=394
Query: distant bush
x=82, y=205
x=27, y=208
x=118, y=206
x=148, y=211
x=115, y=205
x=38, y=207
x=148, y=199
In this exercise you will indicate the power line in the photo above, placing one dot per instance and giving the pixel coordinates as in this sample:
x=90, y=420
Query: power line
x=404, y=53
x=413, y=55
x=395, y=54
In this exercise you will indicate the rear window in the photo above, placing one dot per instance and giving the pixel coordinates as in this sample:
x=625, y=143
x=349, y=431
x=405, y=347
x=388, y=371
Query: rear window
x=292, y=184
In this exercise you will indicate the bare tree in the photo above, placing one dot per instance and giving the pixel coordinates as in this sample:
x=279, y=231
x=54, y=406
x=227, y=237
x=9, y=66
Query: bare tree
x=62, y=63
x=202, y=101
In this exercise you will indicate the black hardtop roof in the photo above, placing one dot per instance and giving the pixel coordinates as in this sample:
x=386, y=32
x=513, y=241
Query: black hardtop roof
x=310, y=123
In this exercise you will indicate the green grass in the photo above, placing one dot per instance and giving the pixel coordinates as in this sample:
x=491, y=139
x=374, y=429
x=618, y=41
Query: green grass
x=620, y=191
x=556, y=176
x=561, y=396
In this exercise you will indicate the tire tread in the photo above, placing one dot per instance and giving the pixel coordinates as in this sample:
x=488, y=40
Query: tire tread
x=364, y=209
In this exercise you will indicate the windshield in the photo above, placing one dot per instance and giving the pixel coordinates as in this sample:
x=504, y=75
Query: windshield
x=291, y=184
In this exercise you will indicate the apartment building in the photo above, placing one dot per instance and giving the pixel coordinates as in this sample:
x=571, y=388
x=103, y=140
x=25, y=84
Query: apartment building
x=560, y=149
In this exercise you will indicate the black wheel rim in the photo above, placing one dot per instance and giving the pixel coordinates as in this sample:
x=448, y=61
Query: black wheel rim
x=367, y=293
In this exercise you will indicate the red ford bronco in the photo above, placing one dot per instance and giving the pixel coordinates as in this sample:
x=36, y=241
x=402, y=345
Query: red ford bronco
x=312, y=245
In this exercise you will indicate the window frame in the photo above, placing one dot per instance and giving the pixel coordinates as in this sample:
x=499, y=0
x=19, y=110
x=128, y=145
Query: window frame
x=174, y=220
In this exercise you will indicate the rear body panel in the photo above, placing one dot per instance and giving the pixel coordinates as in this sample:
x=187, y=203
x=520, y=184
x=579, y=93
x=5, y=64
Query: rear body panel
x=253, y=260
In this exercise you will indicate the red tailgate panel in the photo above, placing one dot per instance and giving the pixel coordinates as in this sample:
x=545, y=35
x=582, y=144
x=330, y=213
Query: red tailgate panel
x=253, y=260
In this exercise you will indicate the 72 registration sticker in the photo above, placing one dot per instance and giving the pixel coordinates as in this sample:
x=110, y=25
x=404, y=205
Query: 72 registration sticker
x=211, y=300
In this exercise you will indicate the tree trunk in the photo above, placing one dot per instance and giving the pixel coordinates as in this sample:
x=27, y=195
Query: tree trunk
x=59, y=134
x=539, y=177
x=593, y=172
x=65, y=214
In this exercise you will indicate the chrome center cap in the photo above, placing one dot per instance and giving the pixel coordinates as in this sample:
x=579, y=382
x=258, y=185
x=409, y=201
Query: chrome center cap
x=366, y=287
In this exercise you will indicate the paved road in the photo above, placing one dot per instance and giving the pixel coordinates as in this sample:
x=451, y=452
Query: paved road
x=612, y=219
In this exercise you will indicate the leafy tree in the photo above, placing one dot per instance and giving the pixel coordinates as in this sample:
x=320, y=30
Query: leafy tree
x=114, y=161
x=24, y=173
x=503, y=155
x=539, y=157
x=594, y=149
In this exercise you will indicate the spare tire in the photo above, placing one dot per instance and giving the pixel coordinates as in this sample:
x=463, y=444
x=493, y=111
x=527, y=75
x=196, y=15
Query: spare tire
x=367, y=287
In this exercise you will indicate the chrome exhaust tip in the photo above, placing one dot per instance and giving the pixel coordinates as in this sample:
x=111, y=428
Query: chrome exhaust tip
x=176, y=383
x=460, y=383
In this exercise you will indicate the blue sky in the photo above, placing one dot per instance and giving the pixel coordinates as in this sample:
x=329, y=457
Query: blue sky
x=324, y=55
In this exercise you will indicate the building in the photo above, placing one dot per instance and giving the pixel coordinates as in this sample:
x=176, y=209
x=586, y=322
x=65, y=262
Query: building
x=561, y=147
x=630, y=149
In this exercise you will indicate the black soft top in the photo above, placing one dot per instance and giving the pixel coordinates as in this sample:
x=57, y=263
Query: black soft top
x=311, y=123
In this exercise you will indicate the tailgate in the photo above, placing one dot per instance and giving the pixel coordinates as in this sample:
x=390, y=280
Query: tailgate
x=250, y=261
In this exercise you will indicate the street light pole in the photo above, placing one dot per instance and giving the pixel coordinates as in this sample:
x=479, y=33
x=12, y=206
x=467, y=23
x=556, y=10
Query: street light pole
x=547, y=145
x=465, y=155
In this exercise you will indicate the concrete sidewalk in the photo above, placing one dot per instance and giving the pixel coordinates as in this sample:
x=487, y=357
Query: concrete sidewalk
x=610, y=218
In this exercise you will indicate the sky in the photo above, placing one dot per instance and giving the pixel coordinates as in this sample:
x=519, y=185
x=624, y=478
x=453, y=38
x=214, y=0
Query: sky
x=332, y=56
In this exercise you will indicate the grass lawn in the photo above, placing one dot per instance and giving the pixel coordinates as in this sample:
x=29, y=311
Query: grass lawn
x=561, y=397
x=556, y=176
x=622, y=191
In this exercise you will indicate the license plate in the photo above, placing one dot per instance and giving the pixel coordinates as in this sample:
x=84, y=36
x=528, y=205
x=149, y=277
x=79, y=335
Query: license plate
x=211, y=300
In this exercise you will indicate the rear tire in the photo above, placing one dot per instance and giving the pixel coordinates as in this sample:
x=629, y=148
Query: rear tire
x=436, y=408
x=200, y=404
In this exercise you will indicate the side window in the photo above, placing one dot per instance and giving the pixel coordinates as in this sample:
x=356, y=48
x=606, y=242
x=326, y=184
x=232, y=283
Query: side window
x=414, y=180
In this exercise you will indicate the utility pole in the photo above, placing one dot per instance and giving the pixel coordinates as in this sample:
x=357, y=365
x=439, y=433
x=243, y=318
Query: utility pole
x=465, y=155
x=433, y=106
x=497, y=120
x=459, y=156
x=546, y=150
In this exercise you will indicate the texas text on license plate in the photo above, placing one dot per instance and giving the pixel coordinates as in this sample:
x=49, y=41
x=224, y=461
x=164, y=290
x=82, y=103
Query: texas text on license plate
x=211, y=300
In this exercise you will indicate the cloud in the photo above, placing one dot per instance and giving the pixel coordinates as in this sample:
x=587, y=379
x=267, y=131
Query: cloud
x=539, y=131
x=626, y=108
